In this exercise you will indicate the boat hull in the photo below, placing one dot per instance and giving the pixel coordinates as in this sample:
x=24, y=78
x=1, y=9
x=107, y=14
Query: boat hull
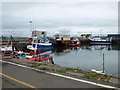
x=68, y=43
x=100, y=42
x=43, y=46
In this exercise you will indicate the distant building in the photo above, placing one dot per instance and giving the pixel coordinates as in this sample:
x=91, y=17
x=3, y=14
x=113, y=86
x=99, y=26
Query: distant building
x=86, y=36
x=58, y=36
x=38, y=33
x=74, y=38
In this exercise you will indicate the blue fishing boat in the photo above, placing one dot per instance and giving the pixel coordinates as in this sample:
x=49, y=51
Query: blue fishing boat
x=39, y=41
x=42, y=43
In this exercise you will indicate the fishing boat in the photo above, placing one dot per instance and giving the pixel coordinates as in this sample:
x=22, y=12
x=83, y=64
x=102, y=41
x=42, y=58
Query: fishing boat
x=70, y=43
x=99, y=41
x=42, y=43
x=75, y=42
x=6, y=49
x=39, y=41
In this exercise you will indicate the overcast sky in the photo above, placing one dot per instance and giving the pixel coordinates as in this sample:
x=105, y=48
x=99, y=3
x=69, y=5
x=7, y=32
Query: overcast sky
x=71, y=18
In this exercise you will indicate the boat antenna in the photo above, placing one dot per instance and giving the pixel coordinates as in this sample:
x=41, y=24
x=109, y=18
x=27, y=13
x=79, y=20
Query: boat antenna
x=31, y=25
x=100, y=32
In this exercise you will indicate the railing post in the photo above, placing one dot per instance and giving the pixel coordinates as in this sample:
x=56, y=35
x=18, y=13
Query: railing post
x=39, y=53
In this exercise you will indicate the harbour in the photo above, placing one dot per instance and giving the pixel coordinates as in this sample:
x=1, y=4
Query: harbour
x=59, y=45
x=82, y=55
x=76, y=56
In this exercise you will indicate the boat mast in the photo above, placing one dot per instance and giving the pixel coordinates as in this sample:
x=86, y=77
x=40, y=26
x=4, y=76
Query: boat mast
x=100, y=32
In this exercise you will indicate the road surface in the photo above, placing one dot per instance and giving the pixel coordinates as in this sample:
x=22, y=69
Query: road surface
x=19, y=77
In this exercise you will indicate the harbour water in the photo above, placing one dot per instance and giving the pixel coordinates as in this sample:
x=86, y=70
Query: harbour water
x=88, y=57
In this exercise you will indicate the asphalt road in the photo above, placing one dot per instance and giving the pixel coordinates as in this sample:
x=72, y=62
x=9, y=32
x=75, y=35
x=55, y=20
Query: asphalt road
x=36, y=79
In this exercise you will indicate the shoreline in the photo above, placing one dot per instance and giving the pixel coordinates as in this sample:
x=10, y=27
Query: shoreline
x=74, y=72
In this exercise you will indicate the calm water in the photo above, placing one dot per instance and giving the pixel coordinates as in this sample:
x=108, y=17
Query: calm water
x=88, y=57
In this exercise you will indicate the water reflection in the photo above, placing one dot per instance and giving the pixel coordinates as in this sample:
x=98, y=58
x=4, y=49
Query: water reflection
x=88, y=57
x=100, y=47
x=114, y=48
x=64, y=50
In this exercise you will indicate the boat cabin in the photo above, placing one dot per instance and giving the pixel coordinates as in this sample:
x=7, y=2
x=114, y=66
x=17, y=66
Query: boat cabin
x=58, y=36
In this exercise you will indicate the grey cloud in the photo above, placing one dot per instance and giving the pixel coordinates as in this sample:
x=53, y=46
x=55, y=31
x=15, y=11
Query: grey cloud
x=64, y=31
x=53, y=16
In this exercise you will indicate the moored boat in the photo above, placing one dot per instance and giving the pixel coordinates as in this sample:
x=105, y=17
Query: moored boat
x=70, y=43
x=6, y=49
x=39, y=42
x=99, y=41
x=75, y=42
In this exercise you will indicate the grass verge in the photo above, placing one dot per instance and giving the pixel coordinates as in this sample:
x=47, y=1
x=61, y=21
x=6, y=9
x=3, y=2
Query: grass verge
x=36, y=65
x=44, y=68
x=79, y=69
x=62, y=71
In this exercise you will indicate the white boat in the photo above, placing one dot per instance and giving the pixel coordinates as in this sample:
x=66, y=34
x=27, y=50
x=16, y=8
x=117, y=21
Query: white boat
x=99, y=41
x=6, y=49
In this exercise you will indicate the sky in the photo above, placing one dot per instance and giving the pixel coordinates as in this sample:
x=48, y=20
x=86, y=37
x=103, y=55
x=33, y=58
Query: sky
x=71, y=18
